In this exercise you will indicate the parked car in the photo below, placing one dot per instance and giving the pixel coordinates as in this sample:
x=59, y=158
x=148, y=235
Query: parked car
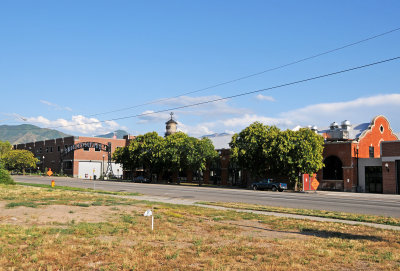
x=269, y=184
x=141, y=179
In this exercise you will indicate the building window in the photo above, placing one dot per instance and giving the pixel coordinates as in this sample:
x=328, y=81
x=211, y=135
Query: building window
x=68, y=165
x=51, y=149
x=97, y=147
x=381, y=129
x=58, y=148
x=40, y=150
x=371, y=152
x=86, y=148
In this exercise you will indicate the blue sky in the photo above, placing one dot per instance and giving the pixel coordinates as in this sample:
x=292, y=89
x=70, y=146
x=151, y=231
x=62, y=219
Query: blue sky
x=64, y=62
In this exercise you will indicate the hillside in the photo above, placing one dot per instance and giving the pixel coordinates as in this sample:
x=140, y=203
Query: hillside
x=119, y=133
x=24, y=133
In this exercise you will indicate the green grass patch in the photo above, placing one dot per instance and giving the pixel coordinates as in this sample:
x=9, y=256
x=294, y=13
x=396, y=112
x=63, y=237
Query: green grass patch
x=318, y=213
x=23, y=203
x=68, y=188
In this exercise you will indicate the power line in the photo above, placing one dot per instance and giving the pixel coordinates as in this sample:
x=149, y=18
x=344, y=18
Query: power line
x=250, y=75
x=236, y=95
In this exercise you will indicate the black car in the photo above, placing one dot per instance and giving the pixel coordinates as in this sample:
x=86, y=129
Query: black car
x=141, y=179
x=269, y=184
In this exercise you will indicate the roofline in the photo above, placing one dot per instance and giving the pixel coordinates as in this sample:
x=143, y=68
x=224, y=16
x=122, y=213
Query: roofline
x=372, y=124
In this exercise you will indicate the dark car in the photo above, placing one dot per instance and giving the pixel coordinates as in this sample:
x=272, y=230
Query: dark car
x=266, y=184
x=141, y=179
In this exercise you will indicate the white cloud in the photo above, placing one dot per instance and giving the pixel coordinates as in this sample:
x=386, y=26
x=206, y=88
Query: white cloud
x=204, y=107
x=248, y=119
x=196, y=130
x=55, y=106
x=77, y=124
x=265, y=98
x=150, y=116
x=357, y=110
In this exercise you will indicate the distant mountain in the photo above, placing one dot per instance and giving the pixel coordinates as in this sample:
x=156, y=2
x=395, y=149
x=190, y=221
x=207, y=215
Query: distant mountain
x=119, y=133
x=25, y=133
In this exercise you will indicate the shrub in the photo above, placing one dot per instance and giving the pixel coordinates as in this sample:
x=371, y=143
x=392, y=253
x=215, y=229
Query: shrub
x=5, y=177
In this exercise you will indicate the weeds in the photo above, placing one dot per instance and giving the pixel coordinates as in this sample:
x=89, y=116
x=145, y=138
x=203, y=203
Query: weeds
x=184, y=238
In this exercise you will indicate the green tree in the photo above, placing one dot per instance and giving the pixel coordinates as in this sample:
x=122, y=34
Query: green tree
x=197, y=152
x=144, y=151
x=298, y=152
x=252, y=149
x=174, y=152
x=5, y=147
x=19, y=160
x=267, y=151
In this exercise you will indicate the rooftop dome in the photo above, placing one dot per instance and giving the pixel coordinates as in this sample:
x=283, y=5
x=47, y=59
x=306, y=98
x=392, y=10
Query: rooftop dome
x=334, y=125
x=346, y=122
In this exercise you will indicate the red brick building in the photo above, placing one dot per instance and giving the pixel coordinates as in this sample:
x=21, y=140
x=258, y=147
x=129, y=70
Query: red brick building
x=390, y=154
x=82, y=157
x=352, y=156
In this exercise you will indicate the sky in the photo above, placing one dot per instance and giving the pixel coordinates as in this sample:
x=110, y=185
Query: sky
x=91, y=67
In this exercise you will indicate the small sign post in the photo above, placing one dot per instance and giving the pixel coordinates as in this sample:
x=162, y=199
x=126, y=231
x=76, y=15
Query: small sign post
x=49, y=172
x=150, y=213
x=314, y=183
x=94, y=182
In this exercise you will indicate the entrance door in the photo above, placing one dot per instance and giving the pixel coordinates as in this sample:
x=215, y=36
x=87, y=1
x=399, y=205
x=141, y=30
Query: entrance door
x=373, y=179
x=398, y=176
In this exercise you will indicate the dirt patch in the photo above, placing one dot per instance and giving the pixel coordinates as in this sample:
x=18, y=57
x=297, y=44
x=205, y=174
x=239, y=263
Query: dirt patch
x=60, y=214
x=256, y=229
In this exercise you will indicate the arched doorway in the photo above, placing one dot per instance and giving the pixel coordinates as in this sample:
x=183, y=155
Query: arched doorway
x=332, y=174
x=333, y=169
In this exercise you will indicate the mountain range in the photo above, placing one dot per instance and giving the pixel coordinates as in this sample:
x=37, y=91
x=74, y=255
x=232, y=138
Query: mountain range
x=16, y=134
x=24, y=133
x=118, y=133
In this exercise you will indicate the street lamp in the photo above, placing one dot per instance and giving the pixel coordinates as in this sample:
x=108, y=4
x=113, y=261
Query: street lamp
x=102, y=168
x=357, y=147
x=43, y=163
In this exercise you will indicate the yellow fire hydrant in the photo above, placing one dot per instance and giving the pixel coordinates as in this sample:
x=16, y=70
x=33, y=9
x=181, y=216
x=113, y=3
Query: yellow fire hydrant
x=53, y=183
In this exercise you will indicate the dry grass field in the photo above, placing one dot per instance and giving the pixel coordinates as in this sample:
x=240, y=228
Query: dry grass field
x=50, y=229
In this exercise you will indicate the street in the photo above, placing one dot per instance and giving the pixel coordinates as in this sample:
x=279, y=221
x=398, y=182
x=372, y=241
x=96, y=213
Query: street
x=360, y=203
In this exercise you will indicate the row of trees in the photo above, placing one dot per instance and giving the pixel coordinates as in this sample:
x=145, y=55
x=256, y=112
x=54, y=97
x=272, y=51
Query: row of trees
x=267, y=151
x=158, y=155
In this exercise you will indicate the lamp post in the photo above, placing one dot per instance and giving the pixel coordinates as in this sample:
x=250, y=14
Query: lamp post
x=102, y=169
x=357, y=147
x=43, y=163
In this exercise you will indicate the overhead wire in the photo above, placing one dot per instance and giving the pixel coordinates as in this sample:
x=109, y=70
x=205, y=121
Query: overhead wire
x=233, y=96
x=250, y=75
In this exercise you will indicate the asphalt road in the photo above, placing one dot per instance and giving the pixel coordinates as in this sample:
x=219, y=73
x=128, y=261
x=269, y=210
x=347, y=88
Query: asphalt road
x=361, y=203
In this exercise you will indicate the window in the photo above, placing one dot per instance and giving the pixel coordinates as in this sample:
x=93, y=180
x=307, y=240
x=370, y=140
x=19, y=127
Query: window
x=51, y=149
x=371, y=152
x=47, y=149
x=40, y=150
x=97, y=147
x=86, y=147
x=381, y=129
x=58, y=148
x=68, y=165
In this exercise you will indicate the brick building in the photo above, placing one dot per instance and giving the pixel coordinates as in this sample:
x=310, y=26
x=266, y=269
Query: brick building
x=390, y=154
x=82, y=157
x=352, y=156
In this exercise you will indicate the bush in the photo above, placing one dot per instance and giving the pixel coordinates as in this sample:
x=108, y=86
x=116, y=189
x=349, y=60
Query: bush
x=5, y=177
